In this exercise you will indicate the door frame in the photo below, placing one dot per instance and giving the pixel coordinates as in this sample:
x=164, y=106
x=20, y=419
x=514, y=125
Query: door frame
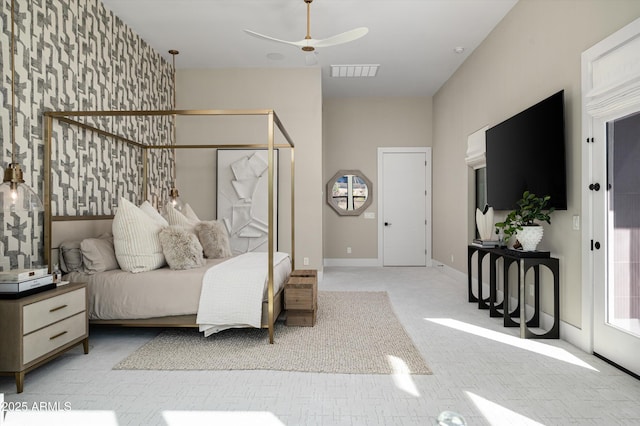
x=609, y=86
x=429, y=168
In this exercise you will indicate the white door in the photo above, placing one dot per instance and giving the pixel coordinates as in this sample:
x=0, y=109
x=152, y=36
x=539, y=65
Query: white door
x=404, y=199
x=616, y=240
x=611, y=204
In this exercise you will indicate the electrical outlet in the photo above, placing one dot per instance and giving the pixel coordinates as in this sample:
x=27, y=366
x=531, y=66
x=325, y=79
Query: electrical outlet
x=305, y=261
x=348, y=250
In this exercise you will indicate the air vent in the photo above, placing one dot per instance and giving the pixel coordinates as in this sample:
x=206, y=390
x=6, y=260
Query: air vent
x=369, y=70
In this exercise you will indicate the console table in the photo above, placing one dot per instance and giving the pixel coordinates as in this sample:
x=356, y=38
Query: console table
x=525, y=261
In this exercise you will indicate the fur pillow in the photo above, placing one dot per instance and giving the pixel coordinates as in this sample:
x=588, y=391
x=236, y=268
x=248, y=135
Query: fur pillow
x=181, y=248
x=98, y=254
x=214, y=239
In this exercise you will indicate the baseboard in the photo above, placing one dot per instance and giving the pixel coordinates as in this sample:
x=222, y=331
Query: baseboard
x=352, y=262
x=576, y=336
x=451, y=272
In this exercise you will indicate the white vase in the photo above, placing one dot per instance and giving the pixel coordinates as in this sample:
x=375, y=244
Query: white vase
x=529, y=237
x=484, y=222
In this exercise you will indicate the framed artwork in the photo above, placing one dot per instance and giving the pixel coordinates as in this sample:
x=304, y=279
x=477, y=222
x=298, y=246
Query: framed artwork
x=243, y=197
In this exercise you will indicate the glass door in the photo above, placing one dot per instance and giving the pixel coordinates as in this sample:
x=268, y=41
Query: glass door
x=616, y=206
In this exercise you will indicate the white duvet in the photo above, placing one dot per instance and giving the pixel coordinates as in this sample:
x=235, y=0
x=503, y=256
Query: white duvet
x=233, y=291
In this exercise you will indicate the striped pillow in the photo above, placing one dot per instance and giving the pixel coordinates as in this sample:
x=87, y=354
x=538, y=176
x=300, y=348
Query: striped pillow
x=136, y=239
x=176, y=218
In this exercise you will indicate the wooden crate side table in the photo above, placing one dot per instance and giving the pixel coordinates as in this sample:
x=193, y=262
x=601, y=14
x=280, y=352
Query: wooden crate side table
x=39, y=327
x=301, y=298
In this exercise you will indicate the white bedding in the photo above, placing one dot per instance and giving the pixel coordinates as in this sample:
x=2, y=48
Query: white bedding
x=233, y=291
x=120, y=295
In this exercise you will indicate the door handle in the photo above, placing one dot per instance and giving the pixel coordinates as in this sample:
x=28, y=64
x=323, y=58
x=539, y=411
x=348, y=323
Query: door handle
x=594, y=186
x=387, y=224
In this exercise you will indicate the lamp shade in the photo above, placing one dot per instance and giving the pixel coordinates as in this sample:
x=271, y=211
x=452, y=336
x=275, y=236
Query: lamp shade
x=18, y=197
x=174, y=200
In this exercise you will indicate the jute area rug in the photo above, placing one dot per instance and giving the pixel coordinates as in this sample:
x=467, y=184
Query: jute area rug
x=355, y=333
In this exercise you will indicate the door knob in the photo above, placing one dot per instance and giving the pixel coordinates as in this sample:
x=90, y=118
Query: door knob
x=387, y=224
x=594, y=186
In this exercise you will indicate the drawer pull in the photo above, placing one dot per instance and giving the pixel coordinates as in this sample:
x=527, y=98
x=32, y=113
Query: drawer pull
x=58, y=308
x=57, y=335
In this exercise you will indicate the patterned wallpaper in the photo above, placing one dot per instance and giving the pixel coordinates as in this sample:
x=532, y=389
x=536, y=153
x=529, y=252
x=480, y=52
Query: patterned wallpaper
x=77, y=55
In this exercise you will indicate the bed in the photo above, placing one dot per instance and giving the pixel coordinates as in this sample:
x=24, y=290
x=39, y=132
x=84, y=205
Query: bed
x=161, y=297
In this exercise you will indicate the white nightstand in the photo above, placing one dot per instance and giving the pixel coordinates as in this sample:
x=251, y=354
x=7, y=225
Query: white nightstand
x=35, y=329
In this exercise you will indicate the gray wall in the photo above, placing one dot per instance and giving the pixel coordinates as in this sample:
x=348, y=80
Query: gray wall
x=353, y=130
x=534, y=52
x=296, y=97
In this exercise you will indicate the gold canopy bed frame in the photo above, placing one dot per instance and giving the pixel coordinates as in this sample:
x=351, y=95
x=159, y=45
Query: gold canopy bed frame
x=72, y=118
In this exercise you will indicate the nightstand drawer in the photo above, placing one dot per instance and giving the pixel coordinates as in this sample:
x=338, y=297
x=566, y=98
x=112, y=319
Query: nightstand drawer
x=50, y=338
x=44, y=312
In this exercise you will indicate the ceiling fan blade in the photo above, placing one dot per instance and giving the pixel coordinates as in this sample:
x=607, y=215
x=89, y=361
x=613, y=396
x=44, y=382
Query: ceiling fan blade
x=265, y=37
x=345, y=37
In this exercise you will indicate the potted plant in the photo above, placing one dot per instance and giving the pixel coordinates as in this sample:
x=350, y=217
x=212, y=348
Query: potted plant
x=521, y=222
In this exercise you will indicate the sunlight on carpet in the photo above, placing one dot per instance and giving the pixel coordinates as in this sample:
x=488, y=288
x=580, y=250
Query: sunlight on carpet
x=355, y=333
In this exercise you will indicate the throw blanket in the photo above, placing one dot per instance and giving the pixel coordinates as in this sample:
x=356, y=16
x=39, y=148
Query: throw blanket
x=232, y=292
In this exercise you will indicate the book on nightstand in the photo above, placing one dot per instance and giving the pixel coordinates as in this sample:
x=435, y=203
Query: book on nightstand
x=19, y=275
x=16, y=289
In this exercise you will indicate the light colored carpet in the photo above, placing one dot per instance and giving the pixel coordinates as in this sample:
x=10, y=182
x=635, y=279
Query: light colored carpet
x=355, y=333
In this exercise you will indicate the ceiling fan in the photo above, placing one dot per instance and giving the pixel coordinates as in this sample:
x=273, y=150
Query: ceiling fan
x=309, y=44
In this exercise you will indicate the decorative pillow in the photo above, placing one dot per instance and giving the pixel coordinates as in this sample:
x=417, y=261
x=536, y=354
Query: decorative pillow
x=214, y=239
x=153, y=213
x=175, y=218
x=98, y=254
x=135, y=239
x=181, y=248
x=70, y=256
x=188, y=212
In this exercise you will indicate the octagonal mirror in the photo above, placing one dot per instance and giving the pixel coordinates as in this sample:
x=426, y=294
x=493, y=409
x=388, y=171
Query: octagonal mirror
x=349, y=192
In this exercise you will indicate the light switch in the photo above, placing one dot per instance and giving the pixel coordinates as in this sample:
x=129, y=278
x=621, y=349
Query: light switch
x=369, y=215
x=576, y=223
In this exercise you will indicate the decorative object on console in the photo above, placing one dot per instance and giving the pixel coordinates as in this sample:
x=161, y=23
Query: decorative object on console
x=484, y=222
x=242, y=198
x=349, y=192
x=174, y=196
x=521, y=222
x=16, y=195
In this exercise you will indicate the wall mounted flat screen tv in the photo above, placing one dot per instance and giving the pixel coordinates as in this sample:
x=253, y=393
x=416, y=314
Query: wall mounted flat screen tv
x=527, y=152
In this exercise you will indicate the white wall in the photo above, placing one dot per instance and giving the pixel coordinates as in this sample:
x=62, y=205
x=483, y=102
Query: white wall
x=534, y=52
x=296, y=97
